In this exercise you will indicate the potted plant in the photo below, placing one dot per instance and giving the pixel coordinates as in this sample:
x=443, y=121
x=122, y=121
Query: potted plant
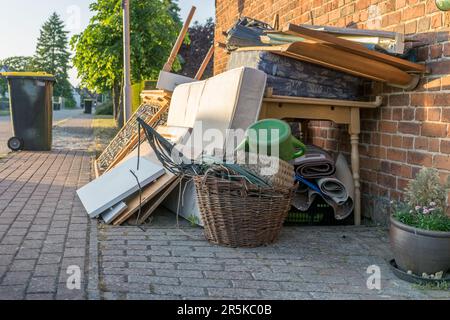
x=420, y=227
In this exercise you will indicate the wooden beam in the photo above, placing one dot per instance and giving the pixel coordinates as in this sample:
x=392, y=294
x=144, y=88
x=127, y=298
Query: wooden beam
x=176, y=48
x=352, y=47
x=204, y=64
x=325, y=102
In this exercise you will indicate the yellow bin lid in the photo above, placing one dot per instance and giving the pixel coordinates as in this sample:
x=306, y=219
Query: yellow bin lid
x=29, y=75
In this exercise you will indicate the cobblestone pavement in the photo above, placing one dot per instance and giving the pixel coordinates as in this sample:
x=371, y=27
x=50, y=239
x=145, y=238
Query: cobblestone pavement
x=161, y=261
x=43, y=226
x=44, y=230
x=59, y=118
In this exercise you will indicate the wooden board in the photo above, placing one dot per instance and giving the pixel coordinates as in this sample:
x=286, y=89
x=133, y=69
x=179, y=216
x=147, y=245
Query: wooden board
x=148, y=193
x=120, y=183
x=352, y=47
x=154, y=203
x=337, y=59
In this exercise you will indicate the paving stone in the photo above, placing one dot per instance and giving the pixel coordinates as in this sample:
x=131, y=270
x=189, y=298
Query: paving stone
x=235, y=293
x=16, y=278
x=12, y=292
x=23, y=265
x=178, y=290
x=42, y=284
x=153, y=280
x=46, y=270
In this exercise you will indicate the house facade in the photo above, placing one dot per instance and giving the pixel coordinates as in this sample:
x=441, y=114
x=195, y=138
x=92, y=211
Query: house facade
x=412, y=128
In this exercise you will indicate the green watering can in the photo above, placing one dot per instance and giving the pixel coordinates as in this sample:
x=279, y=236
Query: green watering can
x=443, y=5
x=265, y=135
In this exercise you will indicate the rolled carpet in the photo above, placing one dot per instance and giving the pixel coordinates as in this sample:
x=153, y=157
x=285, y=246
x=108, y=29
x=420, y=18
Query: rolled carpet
x=315, y=163
x=336, y=188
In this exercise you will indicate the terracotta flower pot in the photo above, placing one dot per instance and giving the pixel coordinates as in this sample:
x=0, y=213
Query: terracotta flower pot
x=419, y=250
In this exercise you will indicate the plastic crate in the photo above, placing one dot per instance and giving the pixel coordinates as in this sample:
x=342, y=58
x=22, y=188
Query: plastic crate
x=320, y=213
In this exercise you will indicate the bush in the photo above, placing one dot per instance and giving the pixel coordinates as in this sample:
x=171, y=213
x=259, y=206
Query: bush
x=105, y=109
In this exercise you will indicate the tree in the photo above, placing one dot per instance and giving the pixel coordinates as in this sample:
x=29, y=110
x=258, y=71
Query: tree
x=15, y=64
x=99, y=52
x=53, y=56
x=193, y=53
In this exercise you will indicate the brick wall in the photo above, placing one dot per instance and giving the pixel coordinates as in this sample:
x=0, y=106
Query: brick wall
x=411, y=129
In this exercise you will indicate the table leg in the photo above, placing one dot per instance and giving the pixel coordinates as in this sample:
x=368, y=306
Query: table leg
x=354, y=130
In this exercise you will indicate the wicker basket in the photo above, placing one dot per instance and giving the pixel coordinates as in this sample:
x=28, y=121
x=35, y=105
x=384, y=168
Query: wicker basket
x=240, y=214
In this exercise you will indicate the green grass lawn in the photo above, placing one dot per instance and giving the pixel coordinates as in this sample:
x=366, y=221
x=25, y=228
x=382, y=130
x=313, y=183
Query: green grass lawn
x=4, y=113
x=105, y=129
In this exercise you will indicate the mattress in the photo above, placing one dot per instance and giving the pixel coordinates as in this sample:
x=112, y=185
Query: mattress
x=290, y=77
x=230, y=100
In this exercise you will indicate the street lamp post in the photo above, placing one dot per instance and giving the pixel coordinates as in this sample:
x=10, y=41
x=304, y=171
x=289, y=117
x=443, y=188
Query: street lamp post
x=126, y=61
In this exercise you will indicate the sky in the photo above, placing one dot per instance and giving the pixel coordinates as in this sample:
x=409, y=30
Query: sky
x=20, y=21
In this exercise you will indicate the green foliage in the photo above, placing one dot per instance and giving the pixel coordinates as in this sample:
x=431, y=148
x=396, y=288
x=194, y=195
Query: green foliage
x=426, y=188
x=16, y=64
x=105, y=109
x=53, y=56
x=425, y=203
x=99, y=51
x=434, y=221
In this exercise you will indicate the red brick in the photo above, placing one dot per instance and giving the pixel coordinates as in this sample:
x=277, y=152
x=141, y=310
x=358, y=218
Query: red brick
x=432, y=84
x=396, y=155
x=436, y=51
x=413, y=12
x=420, y=158
x=421, y=143
x=423, y=53
x=442, y=99
x=411, y=27
x=388, y=126
x=408, y=114
x=407, y=142
x=434, y=129
x=440, y=67
x=442, y=162
x=402, y=183
x=386, y=114
x=409, y=128
x=446, y=49
x=397, y=141
x=399, y=100
x=386, y=140
x=446, y=114
x=445, y=83
x=421, y=114
x=434, y=114
x=422, y=99
x=387, y=180
x=436, y=20
x=423, y=24
x=433, y=144
x=397, y=114
x=445, y=146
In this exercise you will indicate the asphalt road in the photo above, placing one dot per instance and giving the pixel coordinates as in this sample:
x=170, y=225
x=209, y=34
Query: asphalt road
x=6, y=129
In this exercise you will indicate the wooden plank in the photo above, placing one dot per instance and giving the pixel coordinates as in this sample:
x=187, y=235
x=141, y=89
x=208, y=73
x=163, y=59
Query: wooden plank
x=176, y=48
x=154, y=203
x=324, y=102
x=353, y=31
x=340, y=60
x=353, y=47
x=148, y=193
x=204, y=64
